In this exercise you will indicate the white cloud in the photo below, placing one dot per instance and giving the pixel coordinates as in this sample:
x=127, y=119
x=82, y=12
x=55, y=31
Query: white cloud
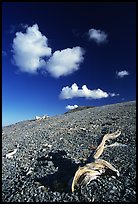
x=97, y=35
x=73, y=91
x=123, y=73
x=113, y=94
x=69, y=107
x=65, y=62
x=29, y=49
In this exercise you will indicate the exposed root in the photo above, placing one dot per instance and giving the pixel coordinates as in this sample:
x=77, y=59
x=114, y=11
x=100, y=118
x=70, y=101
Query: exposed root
x=91, y=171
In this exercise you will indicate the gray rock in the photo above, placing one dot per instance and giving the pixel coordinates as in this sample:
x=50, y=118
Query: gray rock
x=56, y=166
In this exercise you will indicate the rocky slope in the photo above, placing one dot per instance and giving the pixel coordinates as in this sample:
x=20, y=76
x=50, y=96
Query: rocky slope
x=79, y=108
x=48, y=152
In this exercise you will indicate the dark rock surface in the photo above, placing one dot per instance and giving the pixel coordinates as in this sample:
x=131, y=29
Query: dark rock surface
x=49, y=152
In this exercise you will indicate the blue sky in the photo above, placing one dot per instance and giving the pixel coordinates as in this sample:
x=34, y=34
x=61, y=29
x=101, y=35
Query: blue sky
x=57, y=55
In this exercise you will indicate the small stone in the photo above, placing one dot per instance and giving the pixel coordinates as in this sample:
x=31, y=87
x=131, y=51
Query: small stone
x=113, y=177
x=114, y=188
x=84, y=129
x=50, y=163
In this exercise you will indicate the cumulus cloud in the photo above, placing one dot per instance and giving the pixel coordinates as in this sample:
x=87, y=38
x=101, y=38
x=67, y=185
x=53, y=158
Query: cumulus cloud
x=70, y=107
x=74, y=91
x=121, y=74
x=97, y=35
x=113, y=94
x=31, y=53
x=65, y=62
x=29, y=49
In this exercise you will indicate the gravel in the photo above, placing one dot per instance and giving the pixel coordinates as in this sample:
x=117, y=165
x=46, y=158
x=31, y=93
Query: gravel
x=50, y=151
